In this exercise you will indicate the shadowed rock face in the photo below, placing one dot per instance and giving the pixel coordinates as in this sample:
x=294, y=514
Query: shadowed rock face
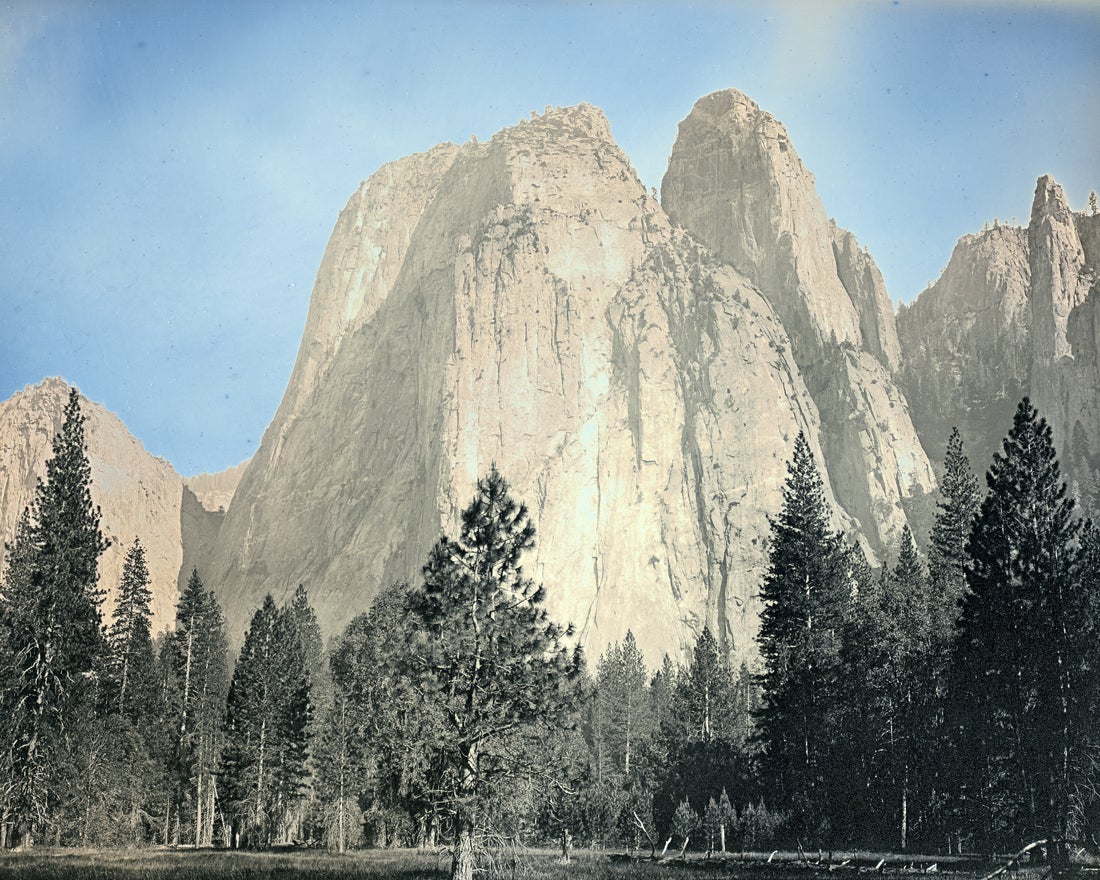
x=138, y=494
x=735, y=181
x=525, y=302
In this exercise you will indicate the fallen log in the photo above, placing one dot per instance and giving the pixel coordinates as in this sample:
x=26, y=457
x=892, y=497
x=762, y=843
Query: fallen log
x=1015, y=859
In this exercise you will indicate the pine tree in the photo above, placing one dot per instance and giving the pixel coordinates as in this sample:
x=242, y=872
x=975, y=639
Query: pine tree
x=304, y=619
x=338, y=762
x=621, y=703
x=197, y=679
x=661, y=688
x=485, y=656
x=264, y=764
x=133, y=667
x=727, y=819
x=1026, y=652
x=947, y=556
x=805, y=592
x=890, y=657
x=703, y=704
x=51, y=618
x=685, y=822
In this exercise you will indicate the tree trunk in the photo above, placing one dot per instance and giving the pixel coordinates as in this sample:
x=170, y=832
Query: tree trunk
x=198, y=806
x=566, y=844
x=462, y=867
x=258, y=819
x=904, y=815
x=208, y=821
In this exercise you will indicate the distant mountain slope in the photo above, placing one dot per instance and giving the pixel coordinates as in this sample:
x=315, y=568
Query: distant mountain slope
x=138, y=494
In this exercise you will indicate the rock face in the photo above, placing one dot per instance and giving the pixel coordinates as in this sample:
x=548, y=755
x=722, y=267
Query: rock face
x=525, y=302
x=967, y=344
x=735, y=181
x=138, y=495
x=1065, y=315
x=215, y=491
x=1014, y=313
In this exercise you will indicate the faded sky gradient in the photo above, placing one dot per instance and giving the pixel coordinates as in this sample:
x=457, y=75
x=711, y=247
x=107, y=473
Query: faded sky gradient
x=170, y=172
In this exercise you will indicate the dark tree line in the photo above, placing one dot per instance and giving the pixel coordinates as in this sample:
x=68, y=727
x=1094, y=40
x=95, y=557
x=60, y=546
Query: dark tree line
x=944, y=706
x=941, y=703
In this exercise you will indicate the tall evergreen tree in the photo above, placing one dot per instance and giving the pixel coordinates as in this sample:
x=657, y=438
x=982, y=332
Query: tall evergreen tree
x=947, y=555
x=133, y=666
x=485, y=657
x=394, y=739
x=1026, y=653
x=196, y=682
x=621, y=703
x=264, y=764
x=703, y=702
x=51, y=620
x=891, y=681
x=304, y=619
x=805, y=592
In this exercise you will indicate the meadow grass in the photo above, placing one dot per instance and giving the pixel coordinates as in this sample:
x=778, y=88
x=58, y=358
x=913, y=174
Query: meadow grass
x=169, y=864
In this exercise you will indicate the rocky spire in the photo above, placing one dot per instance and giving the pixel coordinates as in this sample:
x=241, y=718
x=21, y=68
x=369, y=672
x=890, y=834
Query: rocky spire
x=735, y=181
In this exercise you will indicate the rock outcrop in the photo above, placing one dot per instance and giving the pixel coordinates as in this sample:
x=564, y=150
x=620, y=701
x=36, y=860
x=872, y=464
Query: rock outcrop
x=735, y=181
x=138, y=494
x=215, y=491
x=525, y=302
x=1065, y=316
x=967, y=344
x=1013, y=314
x=638, y=371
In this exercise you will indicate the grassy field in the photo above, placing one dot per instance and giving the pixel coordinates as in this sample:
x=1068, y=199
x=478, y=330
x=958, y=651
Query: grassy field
x=160, y=864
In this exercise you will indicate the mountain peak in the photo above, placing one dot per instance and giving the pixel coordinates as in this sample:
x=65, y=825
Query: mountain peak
x=1050, y=200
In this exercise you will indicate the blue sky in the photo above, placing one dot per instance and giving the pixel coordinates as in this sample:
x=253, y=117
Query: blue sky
x=172, y=171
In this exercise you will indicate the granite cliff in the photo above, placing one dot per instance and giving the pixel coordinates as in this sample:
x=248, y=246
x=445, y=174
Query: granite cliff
x=637, y=369
x=526, y=302
x=735, y=181
x=967, y=344
x=1013, y=314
